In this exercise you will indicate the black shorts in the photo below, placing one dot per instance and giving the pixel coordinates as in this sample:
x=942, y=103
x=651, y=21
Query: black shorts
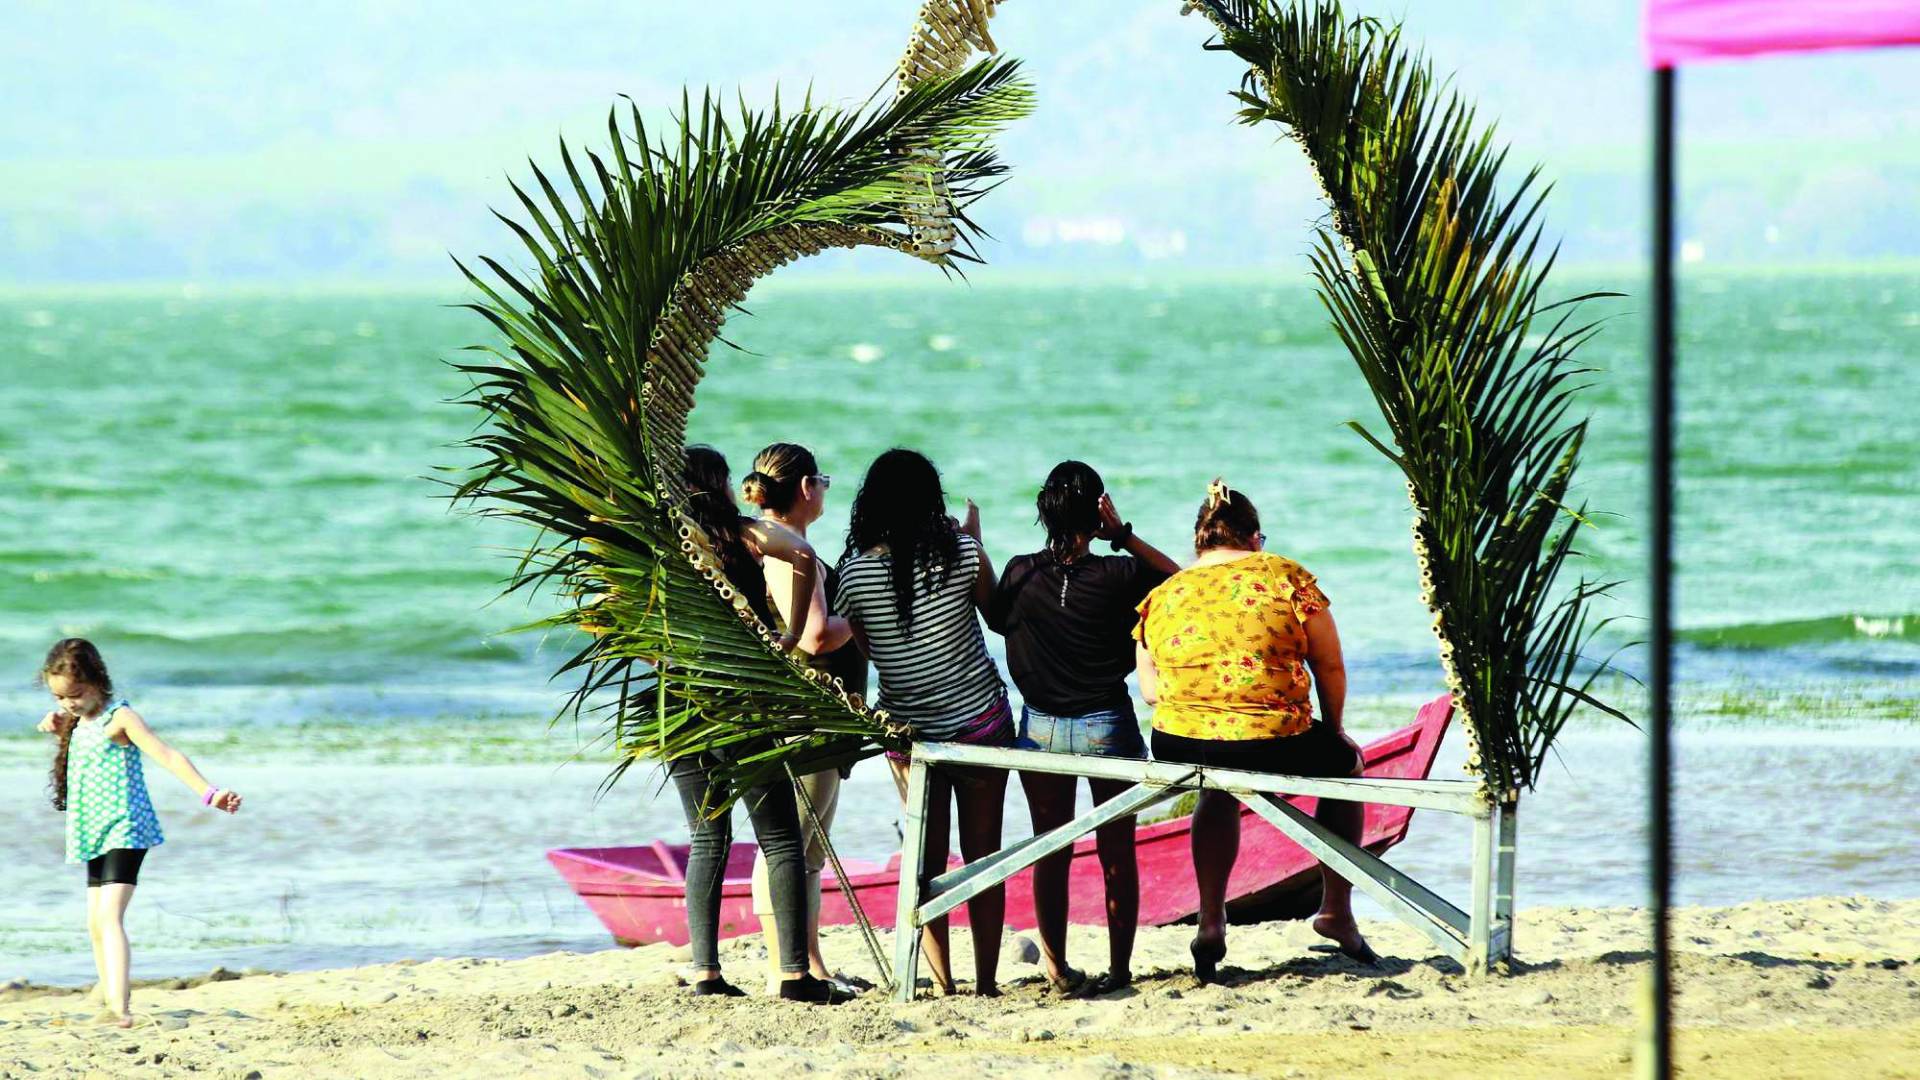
x=121, y=866
x=1316, y=751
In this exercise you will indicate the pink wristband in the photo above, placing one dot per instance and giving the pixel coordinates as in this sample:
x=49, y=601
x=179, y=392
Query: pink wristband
x=212, y=794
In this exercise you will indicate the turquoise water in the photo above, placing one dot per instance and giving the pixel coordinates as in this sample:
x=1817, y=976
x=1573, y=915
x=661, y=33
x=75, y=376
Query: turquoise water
x=239, y=492
x=236, y=497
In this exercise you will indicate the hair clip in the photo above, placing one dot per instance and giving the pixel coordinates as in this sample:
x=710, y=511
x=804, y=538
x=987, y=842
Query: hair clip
x=1218, y=494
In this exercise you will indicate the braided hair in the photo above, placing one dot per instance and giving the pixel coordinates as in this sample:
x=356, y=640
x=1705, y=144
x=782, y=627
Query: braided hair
x=901, y=505
x=1069, y=508
x=1069, y=505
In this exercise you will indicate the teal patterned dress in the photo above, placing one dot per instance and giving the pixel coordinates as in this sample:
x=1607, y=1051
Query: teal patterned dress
x=107, y=804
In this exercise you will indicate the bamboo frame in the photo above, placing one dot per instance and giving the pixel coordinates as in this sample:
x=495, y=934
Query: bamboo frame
x=1480, y=939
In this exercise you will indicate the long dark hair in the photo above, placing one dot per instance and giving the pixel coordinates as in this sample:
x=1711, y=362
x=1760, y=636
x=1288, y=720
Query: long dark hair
x=901, y=504
x=777, y=472
x=710, y=504
x=76, y=659
x=1069, y=505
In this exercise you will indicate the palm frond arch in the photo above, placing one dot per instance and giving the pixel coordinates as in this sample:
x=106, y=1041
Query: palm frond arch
x=1432, y=276
x=605, y=336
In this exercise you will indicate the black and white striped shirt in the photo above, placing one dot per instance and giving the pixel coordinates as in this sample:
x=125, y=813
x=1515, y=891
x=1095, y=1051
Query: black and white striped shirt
x=937, y=676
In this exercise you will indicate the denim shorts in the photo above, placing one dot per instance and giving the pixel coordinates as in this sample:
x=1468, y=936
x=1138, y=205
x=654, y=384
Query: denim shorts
x=1108, y=733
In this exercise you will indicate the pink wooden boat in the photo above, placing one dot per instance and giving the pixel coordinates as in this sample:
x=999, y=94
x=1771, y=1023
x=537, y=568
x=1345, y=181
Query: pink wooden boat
x=639, y=893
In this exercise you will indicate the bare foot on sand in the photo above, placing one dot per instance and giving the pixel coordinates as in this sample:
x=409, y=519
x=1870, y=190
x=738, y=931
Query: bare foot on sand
x=1345, y=933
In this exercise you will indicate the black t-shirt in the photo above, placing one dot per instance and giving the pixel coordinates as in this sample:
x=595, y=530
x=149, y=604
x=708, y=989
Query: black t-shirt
x=1069, y=628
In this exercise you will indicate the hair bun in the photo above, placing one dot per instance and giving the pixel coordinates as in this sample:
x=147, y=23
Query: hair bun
x=754, y=488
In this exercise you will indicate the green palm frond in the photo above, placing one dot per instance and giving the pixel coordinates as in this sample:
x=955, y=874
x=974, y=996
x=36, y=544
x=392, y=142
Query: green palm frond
x=638, y=253
x=1432, y=271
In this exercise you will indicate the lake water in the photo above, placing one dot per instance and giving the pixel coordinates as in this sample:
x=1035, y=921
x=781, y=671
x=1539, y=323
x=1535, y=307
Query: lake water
x=235, y=496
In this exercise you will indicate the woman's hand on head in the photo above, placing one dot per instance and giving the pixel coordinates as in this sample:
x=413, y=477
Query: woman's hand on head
x=1110, y=523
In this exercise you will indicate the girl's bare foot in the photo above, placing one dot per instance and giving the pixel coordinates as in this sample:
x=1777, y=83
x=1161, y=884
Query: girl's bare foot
x=1345, y=933
x=986, y=990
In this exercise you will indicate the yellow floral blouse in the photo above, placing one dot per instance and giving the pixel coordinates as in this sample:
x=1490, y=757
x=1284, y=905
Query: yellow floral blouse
x=1230, y=643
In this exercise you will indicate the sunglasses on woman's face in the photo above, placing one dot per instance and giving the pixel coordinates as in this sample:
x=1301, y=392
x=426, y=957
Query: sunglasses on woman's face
x=823, y=480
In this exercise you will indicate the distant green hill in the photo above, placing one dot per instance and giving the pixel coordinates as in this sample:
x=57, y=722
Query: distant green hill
x=363, y=140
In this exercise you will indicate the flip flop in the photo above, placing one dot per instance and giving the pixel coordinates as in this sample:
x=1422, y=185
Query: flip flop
x=1366, y=958
x=1068, y=985
x=1100, y=986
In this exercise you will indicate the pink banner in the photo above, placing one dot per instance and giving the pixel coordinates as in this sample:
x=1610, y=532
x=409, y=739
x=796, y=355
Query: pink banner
x=1689, y=31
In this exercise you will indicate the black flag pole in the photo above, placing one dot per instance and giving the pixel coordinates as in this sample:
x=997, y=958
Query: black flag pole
x=1660, y=665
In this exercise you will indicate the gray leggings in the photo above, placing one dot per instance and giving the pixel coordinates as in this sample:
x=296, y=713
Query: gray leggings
x=776, y=825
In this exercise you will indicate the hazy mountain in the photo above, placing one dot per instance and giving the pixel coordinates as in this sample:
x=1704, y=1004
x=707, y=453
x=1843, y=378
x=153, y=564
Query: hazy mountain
x=351, y=140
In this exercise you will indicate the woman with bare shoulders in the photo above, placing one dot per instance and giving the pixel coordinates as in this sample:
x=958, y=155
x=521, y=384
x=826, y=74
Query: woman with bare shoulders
x=742, y=545
x=787, y=485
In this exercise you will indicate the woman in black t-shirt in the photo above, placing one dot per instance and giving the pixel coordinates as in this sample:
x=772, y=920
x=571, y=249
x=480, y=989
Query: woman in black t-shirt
x=1068, y=616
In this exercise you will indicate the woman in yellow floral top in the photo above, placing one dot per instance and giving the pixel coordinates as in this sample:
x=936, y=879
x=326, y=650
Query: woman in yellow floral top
x=1232, y=651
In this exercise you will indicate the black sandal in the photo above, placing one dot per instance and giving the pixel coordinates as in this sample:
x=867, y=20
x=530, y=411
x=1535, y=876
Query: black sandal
x=814, y=991
x=1206, y=958
x=1101, y=985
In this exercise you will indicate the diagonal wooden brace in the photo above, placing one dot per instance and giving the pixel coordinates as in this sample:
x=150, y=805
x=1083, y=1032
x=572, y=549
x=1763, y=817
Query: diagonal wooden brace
x=1477, y=940
x=1422, y=908
x=956, y=887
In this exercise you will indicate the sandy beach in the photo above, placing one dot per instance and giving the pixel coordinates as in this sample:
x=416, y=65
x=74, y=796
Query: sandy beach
x=1784, y=989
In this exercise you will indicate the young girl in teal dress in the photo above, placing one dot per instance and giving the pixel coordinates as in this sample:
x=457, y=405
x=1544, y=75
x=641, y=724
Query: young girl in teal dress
x=97, y=779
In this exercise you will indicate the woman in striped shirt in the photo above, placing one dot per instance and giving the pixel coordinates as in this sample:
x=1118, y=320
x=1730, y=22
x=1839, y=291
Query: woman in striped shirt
x=913, y=583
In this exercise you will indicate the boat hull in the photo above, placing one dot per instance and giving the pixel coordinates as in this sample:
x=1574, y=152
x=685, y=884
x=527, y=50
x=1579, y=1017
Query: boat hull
x=639, y=893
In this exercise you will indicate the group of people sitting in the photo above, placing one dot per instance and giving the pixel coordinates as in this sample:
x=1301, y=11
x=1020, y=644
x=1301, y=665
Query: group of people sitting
x=1231, y=653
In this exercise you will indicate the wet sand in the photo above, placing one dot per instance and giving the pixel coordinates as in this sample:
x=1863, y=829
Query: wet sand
x=1789, y=989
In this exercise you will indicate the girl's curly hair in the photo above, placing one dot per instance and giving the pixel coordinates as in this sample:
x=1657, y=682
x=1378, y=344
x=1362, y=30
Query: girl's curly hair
x=76, y=659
